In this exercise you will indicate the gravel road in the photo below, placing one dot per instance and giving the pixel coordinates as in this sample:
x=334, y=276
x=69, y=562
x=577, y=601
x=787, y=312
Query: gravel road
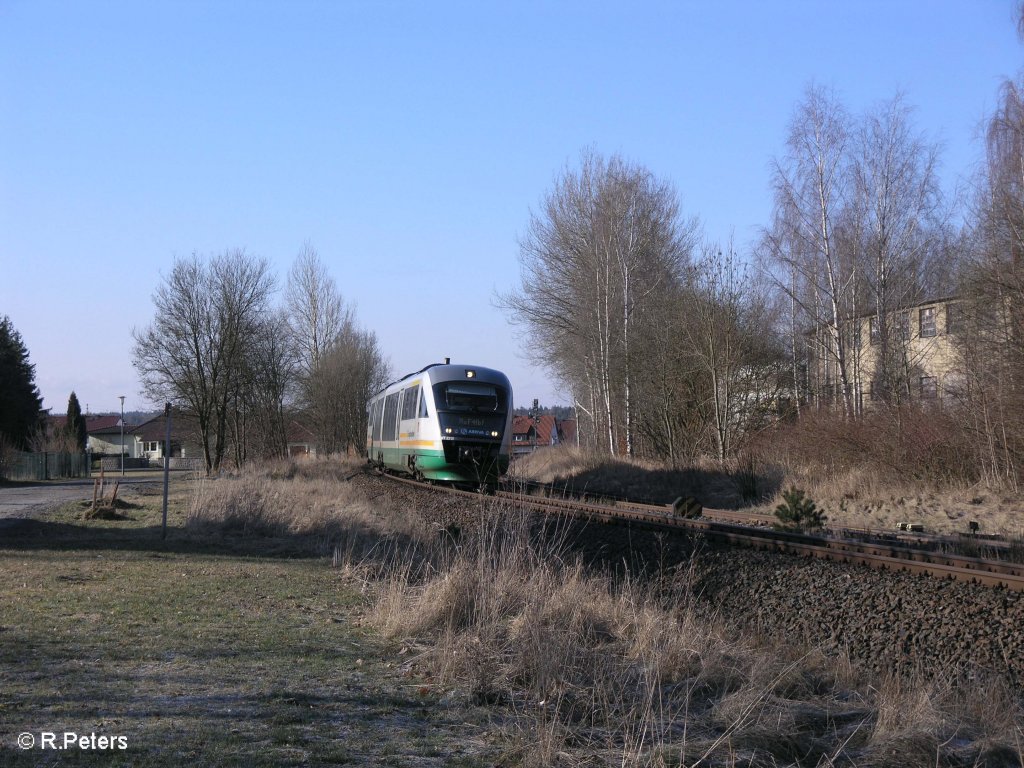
x=31, y=500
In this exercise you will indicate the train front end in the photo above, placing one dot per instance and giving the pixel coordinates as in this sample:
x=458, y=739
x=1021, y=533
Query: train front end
x=473, y=408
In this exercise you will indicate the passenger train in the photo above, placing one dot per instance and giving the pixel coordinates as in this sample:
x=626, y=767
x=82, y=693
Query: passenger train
x=450, y=423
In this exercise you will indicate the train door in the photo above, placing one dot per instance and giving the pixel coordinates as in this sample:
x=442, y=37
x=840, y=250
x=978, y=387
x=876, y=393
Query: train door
x=389, y=431
x=408, y=427
x=373, y=428
x=370, y=408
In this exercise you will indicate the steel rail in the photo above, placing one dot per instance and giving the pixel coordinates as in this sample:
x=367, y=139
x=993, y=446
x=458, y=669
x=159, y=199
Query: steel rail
x=992, y=573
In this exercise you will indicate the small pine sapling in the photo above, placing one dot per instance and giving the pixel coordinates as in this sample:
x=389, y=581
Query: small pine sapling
x=798, y=512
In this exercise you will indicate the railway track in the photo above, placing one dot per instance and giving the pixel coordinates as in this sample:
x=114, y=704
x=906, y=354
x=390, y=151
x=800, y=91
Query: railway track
x=991, y=573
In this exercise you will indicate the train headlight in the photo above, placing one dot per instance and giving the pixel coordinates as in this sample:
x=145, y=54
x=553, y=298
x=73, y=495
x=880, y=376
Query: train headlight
x=470, y=374
x=447, y=430
x=494, y=434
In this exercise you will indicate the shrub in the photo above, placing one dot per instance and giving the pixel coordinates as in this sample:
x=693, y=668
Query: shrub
x=798, y=512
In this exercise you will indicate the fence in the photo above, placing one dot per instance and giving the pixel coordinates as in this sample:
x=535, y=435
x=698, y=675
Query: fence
x=43, y=466
x=114, y=463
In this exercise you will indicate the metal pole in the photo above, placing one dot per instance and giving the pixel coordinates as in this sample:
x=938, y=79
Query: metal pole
x=122, y=435
x=167, y=464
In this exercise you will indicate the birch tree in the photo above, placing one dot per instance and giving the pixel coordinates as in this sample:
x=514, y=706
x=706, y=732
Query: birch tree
x=606, y=241
x=897, y=204
x=339, y=365
x=810, y=184
x=316, y=310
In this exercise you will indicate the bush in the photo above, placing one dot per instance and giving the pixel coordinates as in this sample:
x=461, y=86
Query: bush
x=798, y=512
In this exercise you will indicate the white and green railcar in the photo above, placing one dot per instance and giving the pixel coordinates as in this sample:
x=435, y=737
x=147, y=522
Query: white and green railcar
x=451, y=423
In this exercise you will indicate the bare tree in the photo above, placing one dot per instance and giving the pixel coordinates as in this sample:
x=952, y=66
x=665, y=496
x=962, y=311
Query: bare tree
x=897, y=206
x=340, y=366
x=641, y=231
x=270, y=387
x=607, y=241
x=993, y=355
x=720, y=341
x=316, y=309
x=670, y=422
x=811, y=187
x=195, y=353
x=351, y=370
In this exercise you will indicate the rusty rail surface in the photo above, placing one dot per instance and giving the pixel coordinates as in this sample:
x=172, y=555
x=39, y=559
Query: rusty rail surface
x=992, y=573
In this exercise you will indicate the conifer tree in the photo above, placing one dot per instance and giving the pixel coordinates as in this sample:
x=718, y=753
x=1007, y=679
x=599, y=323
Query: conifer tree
x=20, y=402
x=76, y=422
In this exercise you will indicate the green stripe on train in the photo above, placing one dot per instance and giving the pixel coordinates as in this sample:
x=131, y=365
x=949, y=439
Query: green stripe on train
x=433, y=465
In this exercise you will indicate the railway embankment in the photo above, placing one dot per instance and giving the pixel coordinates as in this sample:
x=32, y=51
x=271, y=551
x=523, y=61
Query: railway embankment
x=883, y=620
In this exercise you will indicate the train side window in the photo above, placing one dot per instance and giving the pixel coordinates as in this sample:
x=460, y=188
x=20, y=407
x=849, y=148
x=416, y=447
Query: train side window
x=409, y=397
x=423, y=404
x=389, y=428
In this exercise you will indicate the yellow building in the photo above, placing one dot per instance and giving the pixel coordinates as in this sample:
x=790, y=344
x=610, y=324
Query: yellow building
x=909, y=354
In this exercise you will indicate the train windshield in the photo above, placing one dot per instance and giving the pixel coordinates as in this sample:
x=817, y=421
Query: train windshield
x=467, y=396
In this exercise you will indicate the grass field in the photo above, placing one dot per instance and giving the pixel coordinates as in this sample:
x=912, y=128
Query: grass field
x=208, y=649
x=306, y=614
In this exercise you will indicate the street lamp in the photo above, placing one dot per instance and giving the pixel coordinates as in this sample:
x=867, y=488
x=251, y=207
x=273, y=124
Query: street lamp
x=122, y=435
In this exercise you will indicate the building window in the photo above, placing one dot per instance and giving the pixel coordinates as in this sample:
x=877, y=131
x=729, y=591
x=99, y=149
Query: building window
x=929, y=388
x=927, y=321
x=873, y=331
x=954, y=318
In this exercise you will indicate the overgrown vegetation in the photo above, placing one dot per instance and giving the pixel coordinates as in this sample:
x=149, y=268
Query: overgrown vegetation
x=614, y=671
x=245, y=642
x=581, y=666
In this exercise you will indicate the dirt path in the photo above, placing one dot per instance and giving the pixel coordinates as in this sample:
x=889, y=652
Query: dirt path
x=31, y=500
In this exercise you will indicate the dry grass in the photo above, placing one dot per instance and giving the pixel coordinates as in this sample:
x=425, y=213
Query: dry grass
x=590, y=670
x=310, y=499
x=577, y=668
x=853, y=495
x=227, y=644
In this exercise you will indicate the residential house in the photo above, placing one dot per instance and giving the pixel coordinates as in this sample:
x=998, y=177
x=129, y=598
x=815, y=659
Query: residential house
x=524, y=436
x=151, y=439
x=107, y=435
x=529, y=434
x=301, y=440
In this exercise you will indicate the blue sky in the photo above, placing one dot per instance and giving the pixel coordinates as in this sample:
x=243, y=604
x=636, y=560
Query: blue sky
x=408, y=142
